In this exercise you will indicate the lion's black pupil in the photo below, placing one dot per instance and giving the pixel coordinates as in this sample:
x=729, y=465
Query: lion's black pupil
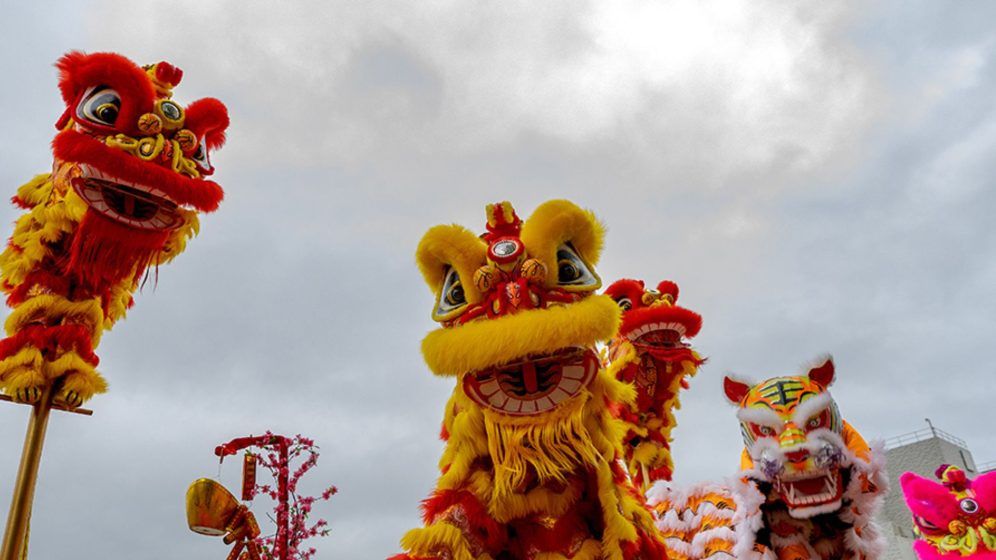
x=107, y=113
x=568, y=272
x=456, y=294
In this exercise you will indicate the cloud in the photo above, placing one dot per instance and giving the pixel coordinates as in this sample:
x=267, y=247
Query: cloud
x=749, y=85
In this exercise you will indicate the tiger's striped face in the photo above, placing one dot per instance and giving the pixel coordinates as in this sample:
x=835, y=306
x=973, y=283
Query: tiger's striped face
x=793, y=433
x=787, y=409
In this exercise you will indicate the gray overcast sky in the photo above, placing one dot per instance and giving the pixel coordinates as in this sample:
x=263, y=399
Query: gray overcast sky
x=817, y=176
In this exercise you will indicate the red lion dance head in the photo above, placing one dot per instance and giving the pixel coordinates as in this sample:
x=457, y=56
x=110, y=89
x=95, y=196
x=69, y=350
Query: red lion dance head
x=652, y=353
x=129, y=176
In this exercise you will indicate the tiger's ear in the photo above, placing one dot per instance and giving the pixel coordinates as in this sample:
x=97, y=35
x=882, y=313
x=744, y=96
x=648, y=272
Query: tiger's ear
x=451, y=246
x=735, y=389
x=824, y=372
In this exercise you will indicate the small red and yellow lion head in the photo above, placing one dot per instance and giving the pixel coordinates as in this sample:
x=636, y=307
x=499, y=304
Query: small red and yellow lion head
x=652, y=353
x=136, y=158
x=129, y=176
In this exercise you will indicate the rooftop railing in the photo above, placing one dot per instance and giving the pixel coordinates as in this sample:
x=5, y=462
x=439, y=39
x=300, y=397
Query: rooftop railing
x=924, y=435
x=986, y=467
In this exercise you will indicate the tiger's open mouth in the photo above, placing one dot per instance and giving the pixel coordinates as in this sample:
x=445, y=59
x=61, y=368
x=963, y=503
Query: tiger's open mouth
x=809, y=489
x=534, y=385
x=129, y=203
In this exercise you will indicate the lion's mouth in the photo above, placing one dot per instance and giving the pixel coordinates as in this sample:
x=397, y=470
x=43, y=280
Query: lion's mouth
x=808, y=490
x=534, y=385
x=658, y=335
x=133, y=204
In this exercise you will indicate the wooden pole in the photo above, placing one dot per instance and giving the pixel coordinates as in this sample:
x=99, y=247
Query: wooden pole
x=15, y=537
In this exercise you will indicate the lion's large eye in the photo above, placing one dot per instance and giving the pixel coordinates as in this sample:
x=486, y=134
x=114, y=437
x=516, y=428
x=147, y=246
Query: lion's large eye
x=171, y=113
x=968, y=505
x=99, y=105
x=452, y=298
x=624, y=303
x=572, y=272
x=200, y=156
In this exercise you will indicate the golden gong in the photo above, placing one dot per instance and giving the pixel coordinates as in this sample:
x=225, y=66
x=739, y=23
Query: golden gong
x=210, y=507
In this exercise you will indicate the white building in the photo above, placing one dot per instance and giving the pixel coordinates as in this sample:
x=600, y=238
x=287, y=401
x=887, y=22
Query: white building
x=920, y=452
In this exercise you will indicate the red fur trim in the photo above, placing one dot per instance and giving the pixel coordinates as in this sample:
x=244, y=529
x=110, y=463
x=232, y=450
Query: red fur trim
x=75, y=146
x=668, y=287
x=628, y=288
x=50, y=340
x=51, y=281
x=639, y=316
x=168, y=74
x=105, y=252
x=444, y=434
x=649, y=546
x=660, y=473
x=485, y=529
x=208, y=118
x=16, y=201
x=79, y=71
x=619, y=474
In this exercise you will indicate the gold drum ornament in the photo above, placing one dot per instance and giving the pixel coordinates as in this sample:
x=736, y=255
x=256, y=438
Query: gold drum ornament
x=210, y=507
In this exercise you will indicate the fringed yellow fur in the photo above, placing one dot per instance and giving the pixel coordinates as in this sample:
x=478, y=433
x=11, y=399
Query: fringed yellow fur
x=80, y=376
x=455, y=246
x=552, y=445
x=556, y=222
x=55, y=211
x=44, y=224
x=49, y=309
x=23, y=369
x=520, y=468
x=482, y=344
x=650, y=454
x=177, y=241
x=430, y=541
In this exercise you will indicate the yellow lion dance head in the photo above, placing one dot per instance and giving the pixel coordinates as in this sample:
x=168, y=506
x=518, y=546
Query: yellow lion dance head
x=520, y=319
x=530, y=467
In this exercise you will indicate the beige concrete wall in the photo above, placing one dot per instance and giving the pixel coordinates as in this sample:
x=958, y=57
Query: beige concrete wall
x=923, y=458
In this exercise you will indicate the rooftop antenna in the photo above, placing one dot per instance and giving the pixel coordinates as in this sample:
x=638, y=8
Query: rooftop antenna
x=933, y=430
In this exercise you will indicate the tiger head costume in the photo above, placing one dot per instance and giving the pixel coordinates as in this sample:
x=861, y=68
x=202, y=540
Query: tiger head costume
x=530, y=467
x=809, y=487
x=128, y=179
x=652, y=353
x=955, y=517
x=817, y=474
x=795, y=438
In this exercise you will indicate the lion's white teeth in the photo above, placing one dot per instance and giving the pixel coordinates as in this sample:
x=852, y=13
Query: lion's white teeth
x=91, y=172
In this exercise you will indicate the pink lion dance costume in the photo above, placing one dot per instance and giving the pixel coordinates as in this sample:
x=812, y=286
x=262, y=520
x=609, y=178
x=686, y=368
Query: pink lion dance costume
x=956, y=517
